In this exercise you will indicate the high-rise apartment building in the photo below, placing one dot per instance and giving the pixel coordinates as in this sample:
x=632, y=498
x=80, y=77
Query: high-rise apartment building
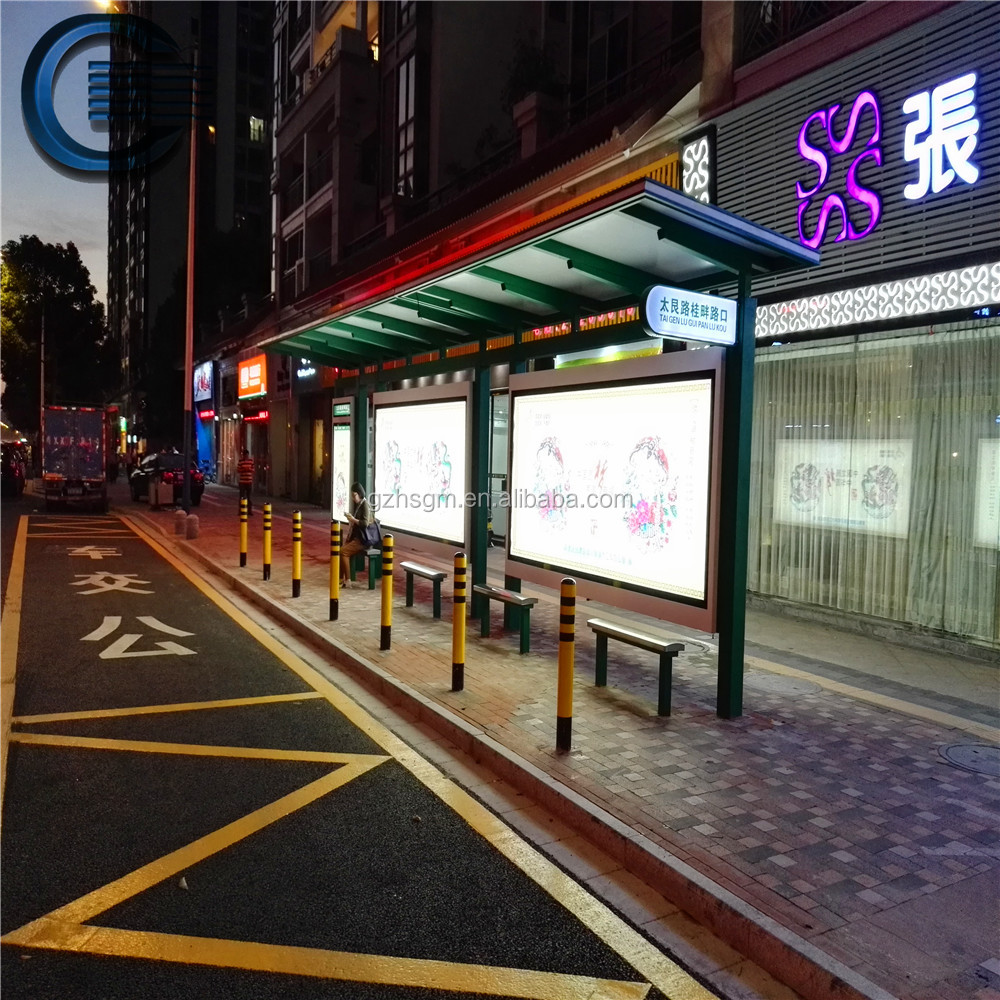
x=148, y=199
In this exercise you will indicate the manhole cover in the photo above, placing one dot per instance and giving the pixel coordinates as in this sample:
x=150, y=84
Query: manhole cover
x=978, y=757
x=777, y=684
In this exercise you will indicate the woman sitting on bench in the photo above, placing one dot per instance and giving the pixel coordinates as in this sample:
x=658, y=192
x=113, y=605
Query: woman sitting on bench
x=359, y=521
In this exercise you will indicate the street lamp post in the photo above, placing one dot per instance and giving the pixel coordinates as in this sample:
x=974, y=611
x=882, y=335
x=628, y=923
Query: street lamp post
x=189, y=304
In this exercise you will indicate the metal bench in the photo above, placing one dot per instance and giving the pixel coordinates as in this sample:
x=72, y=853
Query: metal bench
x=434, y=575
x=374, y=557
x=508, y=597
x=667, y=651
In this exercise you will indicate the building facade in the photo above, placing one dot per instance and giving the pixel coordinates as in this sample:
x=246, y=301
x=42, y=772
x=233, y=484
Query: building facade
x=876, y=472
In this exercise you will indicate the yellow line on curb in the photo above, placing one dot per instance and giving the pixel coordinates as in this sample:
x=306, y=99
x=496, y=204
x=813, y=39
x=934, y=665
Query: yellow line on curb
x=645, y=957
x=191, y=706
x=10, y=631
x=291, y=960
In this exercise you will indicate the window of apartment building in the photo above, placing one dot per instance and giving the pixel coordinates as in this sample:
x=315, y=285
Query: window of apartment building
x=406, y=11
x=257, y=131
x=291, y=251
x=405, y=127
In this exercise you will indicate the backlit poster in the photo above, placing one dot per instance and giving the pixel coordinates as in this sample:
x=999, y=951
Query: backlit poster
x=613, y=482
x=420, y=468
x=988, y=494
x=341, y=471
x=854, y=485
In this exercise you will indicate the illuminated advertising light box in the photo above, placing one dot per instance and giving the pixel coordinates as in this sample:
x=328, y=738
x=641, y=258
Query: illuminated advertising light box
x=852, y=485
x=420, y=466
x=203, y=382
x=341, y=470
x=612, y=482
x=252, y=377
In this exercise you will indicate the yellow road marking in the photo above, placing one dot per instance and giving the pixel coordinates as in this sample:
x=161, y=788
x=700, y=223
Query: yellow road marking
x=90, y=905
x=195, y=749
x=191, y=706
x=939, y=718
x=114, y=533
x=645, y=957
x=322, y=964
x=10, y=630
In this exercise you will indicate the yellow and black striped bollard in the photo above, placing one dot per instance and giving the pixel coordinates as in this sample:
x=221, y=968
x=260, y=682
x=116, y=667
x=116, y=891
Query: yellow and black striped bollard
x=567, y=648
x=458, y=625
x=296, y=553
x=267, y=541
x=386, y=640
x=243, y=531
x=334, y=570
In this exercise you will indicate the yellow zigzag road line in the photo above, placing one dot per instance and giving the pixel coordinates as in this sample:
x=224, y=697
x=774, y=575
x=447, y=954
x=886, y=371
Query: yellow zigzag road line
x=291, y=960
x=646, y=958
x=198, y=749
x=193, y=706
x=90, y=905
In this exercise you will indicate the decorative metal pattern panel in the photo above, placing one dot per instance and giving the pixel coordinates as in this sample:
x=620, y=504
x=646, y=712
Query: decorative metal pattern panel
x=863, y=135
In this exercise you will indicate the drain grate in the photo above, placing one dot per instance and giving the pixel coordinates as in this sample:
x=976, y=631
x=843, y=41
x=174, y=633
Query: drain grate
x=978, y=757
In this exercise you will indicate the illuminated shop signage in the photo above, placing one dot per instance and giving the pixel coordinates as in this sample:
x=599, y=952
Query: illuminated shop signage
x=629, y=315
x=976, y=288
x=203, y=382
x=305, y=369
x=206, y=414
x=258, y=416
x=253, y=377
x=682, y=315
x=941, y=130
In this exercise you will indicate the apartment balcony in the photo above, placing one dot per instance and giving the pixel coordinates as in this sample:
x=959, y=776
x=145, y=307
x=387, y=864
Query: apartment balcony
x=293, y=196
x=764, y=26
x=319, y=174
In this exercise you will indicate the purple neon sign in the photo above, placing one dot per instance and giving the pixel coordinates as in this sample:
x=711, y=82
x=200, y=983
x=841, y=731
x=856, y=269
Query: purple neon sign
x=834, y=203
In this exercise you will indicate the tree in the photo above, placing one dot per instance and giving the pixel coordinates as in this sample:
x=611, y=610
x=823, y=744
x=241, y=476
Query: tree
x=82, y=364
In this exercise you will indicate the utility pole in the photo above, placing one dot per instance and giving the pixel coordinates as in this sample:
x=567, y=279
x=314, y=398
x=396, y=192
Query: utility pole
x=41, y=398
x=189, y=311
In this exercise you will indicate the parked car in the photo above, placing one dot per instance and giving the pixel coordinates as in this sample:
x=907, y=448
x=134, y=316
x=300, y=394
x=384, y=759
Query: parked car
x=167, y=468
x=13, y=469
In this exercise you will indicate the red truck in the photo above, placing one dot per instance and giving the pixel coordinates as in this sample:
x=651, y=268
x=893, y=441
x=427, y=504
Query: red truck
x=73, y=459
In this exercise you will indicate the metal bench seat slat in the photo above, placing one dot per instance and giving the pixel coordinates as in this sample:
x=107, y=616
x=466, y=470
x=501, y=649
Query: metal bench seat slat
x=635, y=638
x=430, y=574
x=507, y=596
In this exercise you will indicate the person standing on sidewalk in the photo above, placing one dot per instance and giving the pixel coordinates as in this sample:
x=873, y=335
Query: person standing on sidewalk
x=245, y=471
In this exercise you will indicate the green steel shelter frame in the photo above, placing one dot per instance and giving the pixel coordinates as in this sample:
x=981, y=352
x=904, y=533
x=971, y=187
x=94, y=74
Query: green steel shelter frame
x=519, y=293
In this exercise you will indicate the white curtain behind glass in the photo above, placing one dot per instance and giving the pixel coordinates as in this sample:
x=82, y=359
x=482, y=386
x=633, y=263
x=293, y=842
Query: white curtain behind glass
x=875, y=477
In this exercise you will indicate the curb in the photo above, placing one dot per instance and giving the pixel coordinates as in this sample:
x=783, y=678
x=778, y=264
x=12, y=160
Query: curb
x=787, y=956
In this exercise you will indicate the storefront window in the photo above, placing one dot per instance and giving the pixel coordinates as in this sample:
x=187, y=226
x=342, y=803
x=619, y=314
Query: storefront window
x=875, y=484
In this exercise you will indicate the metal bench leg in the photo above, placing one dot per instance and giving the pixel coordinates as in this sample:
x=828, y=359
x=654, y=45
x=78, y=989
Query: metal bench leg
x=525, y=629
x=601, y=666
x=666, y=680
x=409, y=590
x=485, y=629
x=371, y=571
x=437, y=598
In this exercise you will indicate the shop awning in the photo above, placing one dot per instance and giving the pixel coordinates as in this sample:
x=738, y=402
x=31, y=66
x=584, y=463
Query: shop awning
x=546, y=270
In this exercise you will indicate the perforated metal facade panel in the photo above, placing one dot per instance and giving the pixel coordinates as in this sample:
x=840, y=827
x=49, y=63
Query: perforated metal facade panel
x=758, y=160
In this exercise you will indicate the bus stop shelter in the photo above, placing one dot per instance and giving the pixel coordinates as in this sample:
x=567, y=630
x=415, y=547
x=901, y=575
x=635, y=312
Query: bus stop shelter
x=504, y=293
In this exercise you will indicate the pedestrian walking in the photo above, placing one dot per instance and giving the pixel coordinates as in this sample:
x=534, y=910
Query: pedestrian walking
x=245, y=471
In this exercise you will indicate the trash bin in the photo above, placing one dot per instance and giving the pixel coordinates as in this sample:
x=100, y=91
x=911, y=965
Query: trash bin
x=154, y=492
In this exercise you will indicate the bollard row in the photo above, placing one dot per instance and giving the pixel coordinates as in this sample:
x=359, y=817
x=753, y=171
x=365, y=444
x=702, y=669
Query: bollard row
x=567, y=608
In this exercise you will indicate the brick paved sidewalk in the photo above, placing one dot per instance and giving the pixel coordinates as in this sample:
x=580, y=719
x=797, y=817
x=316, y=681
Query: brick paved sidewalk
x=816, y=813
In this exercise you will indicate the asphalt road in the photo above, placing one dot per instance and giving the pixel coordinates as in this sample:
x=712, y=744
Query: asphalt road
x=192, y=811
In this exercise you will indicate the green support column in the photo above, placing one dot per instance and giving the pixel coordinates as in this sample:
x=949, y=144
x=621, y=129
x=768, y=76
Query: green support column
x=361, y=436
x=480, y=479
x=511, y=616
x=734, y=507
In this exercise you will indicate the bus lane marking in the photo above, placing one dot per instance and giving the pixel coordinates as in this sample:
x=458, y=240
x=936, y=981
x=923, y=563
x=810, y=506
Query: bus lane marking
x=65, y=928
